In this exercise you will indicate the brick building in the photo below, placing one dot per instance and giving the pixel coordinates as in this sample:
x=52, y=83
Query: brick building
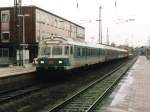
x=38, y=25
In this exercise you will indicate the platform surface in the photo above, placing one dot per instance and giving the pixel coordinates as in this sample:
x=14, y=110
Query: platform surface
x=133, y=92
x=15, y=70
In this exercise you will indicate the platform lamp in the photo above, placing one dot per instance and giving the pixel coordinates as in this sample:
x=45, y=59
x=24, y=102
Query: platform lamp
x=23, y=39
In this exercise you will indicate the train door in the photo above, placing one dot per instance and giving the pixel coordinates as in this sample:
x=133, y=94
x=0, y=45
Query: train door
x=66, y=50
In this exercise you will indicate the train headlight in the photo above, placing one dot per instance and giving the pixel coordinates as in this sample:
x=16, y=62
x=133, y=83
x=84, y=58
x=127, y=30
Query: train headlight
x=60, y=62
x=42, y=62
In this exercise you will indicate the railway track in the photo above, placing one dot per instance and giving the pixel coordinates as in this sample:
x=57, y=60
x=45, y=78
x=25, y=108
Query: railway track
x=6, y=96
x=86, y=99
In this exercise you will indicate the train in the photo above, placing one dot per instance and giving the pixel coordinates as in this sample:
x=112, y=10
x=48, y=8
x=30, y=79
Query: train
x=58, y=53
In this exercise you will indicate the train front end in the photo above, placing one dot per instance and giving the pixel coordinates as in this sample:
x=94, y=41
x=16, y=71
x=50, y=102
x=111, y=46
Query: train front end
x=47, y=63
x=53, y=56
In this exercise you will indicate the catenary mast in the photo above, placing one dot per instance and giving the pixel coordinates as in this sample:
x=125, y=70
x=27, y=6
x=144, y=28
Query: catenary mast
x=17, y=23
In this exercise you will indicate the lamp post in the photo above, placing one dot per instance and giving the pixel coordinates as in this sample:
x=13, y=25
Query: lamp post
x=23, y=39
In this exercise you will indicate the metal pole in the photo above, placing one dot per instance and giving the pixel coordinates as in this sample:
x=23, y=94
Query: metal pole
x=23, y=41
x=107, y=36
x=23, y=30
x=39, y=31
x=100, y=26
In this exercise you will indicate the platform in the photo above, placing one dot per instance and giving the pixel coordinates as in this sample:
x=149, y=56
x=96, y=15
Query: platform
x=15, y=70
x=133, y=92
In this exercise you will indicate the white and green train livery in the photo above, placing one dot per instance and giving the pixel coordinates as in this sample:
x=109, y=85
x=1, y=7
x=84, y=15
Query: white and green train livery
x=66, y=54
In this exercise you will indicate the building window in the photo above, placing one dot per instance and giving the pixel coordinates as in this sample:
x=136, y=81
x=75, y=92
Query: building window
x=5, y=37
x=4, y=18
x=4, y=52
x=1, y=54
x=56, y=23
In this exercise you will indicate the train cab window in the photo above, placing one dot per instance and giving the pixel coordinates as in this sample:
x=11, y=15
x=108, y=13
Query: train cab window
x=57, y=50
x=45, y=51
x=66, y=50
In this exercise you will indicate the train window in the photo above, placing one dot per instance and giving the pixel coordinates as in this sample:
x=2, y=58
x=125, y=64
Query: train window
x=66, y=50
x=88, y=51
x=45, y=51
x=71, y=49
x=83, y=51
x=95, y=52
x=92, y=52
x=57, y=50
x=78, y=52
x=99, y=52
x=102, y=52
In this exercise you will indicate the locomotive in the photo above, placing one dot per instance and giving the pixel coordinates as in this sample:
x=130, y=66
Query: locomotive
x=60, y=53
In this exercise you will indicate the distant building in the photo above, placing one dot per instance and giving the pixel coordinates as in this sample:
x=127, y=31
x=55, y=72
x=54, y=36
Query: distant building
x=39, y=24
x=113, y=44
x=142, y=50
x=148, y=52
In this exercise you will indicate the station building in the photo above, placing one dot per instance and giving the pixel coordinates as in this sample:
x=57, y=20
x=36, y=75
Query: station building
x=39, y=24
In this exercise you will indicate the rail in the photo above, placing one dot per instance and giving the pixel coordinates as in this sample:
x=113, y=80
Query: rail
x=87, y=98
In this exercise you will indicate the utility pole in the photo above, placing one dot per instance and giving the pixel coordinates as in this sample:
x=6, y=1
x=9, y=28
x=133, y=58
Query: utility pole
x=100, y=25
x=107, y=37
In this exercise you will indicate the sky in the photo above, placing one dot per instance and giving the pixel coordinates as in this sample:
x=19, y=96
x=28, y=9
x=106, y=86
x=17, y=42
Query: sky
x=114, y=17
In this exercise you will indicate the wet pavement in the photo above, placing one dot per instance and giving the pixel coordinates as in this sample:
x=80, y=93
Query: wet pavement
x=132, y=94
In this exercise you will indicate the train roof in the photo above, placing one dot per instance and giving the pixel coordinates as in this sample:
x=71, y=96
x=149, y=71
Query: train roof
x=71, y=41
x=83, y=43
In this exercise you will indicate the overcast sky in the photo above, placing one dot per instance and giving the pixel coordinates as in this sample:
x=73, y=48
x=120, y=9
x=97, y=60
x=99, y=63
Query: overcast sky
x=114, y=17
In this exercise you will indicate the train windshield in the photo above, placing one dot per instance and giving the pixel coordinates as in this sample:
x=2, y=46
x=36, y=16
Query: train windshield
x=45, y=51
x=57, y=50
